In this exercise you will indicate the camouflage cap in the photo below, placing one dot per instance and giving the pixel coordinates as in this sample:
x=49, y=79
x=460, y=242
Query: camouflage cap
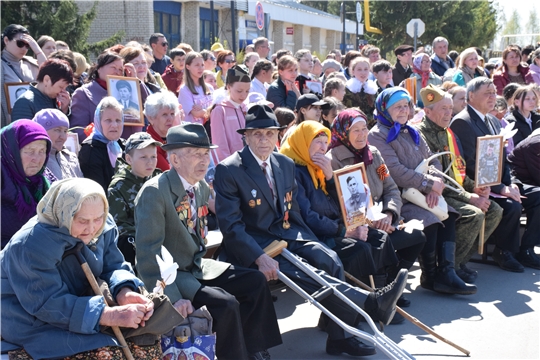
x=140, y=140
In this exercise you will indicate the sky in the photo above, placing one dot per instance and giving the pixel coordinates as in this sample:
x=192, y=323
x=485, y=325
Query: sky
x=522, y=6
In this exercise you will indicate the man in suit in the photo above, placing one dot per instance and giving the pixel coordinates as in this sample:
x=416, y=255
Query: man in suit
x=170, y=211
x=357, y=200
x=256, y=204
x=440, y=61
x=124, y=95
x=475, y=121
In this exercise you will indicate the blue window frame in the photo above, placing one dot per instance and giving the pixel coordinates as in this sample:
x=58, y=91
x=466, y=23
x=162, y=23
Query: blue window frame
x=167, y=20
x=205, y=20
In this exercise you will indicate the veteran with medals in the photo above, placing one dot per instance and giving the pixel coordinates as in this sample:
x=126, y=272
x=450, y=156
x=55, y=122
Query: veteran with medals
x=473, y=204
x=170, y=211
x=258, y=175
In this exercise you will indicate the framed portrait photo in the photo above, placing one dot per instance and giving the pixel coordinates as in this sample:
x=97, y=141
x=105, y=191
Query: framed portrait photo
x=13, y=91
x=314, y=86
x=354, y=194
x=128, y=93
x=72, y=143
x=489, y=157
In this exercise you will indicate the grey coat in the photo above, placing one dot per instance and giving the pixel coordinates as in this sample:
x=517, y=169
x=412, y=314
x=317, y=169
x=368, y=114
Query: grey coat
x=64, y=164
x=402, y=156
x=385, y=191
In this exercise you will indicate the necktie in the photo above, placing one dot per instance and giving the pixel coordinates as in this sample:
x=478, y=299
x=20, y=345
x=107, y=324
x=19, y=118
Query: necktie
x=268, y=179
x=192, y=218
x=490, y=128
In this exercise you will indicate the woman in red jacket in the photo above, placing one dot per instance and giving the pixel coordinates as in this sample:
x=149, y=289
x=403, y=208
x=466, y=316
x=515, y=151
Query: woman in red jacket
x=511, y=70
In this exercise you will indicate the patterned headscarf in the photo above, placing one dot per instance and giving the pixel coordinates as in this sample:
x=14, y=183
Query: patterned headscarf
x=296, y=147
x=387, y=98
x=340, y=135
x=64, y=199
x=114, y=150
x=417, y=68
x=30, y=189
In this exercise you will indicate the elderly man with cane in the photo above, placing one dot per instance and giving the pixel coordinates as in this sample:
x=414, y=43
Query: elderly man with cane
x=171, y=211
x=256, y=204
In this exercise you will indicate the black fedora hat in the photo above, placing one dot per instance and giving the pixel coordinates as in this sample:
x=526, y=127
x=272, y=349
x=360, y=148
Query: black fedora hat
x=260, y=117
x=187, y=135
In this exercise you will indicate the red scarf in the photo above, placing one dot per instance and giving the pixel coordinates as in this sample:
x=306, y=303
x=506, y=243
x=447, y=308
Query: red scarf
x=424, y=74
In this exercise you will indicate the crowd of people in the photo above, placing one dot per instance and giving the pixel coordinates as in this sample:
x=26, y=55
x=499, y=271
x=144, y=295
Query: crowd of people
x=186, y=142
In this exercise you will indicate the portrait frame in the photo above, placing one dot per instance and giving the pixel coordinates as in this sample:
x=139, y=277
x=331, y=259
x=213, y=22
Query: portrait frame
x=133, y=115
x=11, y=89
x=356, y=217
x=314, y=86
x=483, y=175
x=72, y=143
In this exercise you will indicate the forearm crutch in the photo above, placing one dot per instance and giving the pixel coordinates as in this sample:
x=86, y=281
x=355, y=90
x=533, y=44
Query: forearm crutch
x=94, y=284
x=379, y=340
x=411, y=318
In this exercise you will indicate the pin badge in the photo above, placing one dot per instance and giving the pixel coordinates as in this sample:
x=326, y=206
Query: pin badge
x=251, y=203
x=254, y=193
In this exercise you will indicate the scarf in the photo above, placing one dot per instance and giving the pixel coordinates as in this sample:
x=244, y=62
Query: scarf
x=64, y=198
x=417, y=63
x=113, y=148
x=387, y=98
x=340, y=136
x=24, y=74
x=30, y=188
x=458, y=165
x=356, y=86
x=296, y=147
x=469, y=74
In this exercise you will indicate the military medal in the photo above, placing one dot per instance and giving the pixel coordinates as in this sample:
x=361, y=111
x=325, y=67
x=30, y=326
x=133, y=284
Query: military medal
x=286, y=224
x=258, y=201
x=251, y=203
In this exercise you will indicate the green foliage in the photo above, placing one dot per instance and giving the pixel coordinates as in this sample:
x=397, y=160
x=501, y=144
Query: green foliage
x=58, y=19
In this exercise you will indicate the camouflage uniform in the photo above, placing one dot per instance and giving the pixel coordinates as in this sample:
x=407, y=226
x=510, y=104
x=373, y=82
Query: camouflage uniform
x=121, y=195
x=468, y=225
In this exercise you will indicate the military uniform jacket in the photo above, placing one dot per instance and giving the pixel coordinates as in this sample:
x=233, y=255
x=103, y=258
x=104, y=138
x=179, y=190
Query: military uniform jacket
x=158, y=222
x=247, y=216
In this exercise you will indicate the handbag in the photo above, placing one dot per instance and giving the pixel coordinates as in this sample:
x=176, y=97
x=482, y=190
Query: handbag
x=416, y=197
x=192, y=339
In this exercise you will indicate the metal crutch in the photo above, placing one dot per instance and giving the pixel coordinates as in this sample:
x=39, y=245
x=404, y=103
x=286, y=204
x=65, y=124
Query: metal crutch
x=379, y=340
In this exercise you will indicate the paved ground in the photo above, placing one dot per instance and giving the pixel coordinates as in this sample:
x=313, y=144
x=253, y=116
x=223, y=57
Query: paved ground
x=501, y=321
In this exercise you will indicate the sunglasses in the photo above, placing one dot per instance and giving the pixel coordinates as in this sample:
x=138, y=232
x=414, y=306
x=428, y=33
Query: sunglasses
x=164, y=44
x=230, y=61
x=21, y=44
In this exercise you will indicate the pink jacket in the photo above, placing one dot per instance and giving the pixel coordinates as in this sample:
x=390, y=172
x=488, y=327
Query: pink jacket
x=225, y=119
x=535, y=72
x=501, y=77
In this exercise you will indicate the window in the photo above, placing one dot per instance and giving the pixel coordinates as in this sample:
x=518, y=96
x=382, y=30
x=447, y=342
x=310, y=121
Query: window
x=167, y=20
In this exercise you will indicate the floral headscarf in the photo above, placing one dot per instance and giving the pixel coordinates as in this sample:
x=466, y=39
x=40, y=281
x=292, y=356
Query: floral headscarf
x=296, y=147
x=387, y=98
x=113, y=148
x=340, y=135
x=417, y=68
x=64, y=199
x=14, y=137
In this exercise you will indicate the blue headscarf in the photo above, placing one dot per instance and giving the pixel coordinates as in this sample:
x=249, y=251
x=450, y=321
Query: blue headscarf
x=387, y=98
x=113, y=148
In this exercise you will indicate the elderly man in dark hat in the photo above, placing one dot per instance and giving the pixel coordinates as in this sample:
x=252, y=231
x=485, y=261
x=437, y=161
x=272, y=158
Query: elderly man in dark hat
x=256, y=204
x=402, y=69
x=473, y=204
x=170, y=212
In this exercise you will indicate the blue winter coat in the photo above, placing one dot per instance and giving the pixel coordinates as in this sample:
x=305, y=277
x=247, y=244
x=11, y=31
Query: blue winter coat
x=47, y=303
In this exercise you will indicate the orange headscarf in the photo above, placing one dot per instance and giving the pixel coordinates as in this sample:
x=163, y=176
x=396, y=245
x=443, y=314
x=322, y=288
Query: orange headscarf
x=296, y=146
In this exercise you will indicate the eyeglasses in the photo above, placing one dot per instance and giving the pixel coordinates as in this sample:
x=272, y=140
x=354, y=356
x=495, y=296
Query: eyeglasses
x=230, y=61
x=164, y=44
x=21, y=44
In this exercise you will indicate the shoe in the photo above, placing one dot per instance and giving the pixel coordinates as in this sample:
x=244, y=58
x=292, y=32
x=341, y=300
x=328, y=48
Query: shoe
x=446, y=279
x=351, y=346
x=463, y=275
x=506, y=260
x=468, y=270
x=529, y=258
x=260, y=355
x=397, y=319
x=381, y=304
x=403, y=302
x=428, y=265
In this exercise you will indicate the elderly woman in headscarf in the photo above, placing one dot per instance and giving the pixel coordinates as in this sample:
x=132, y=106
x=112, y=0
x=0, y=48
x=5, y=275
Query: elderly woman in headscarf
x=423, y=74
x=62, y=162
x=364, y=251
x=25, y=179
x=403, y=149
x=100, y=150
x=47, y=300
x=348, y=147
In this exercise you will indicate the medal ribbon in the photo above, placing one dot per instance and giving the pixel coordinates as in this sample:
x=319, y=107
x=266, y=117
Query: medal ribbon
x=458, y=166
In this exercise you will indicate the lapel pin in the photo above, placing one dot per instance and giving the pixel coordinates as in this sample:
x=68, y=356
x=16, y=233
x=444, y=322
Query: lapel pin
x=254, y=193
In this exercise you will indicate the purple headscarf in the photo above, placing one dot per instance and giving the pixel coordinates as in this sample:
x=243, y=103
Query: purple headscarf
x=31, y=189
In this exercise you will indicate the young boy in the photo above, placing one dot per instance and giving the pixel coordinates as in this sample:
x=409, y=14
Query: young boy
x=382, y=70
x=174, y=73
x=130, y=176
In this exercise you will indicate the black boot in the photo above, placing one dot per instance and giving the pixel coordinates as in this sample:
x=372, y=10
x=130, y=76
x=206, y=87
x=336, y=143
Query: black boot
x=446, y=279
x=381, y=304
x=428, y=265
x=392, y=272
x=380, y=281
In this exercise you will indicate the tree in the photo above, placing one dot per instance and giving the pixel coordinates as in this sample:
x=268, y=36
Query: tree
x=58, y=19
x=533, y=27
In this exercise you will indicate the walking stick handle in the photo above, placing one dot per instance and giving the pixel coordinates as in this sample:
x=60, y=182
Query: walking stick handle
x=411, y=318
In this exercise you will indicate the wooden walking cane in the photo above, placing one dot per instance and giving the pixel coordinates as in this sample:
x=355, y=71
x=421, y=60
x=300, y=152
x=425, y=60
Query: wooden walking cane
x=94, y=284
x=411, y=318
x=481, y=236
